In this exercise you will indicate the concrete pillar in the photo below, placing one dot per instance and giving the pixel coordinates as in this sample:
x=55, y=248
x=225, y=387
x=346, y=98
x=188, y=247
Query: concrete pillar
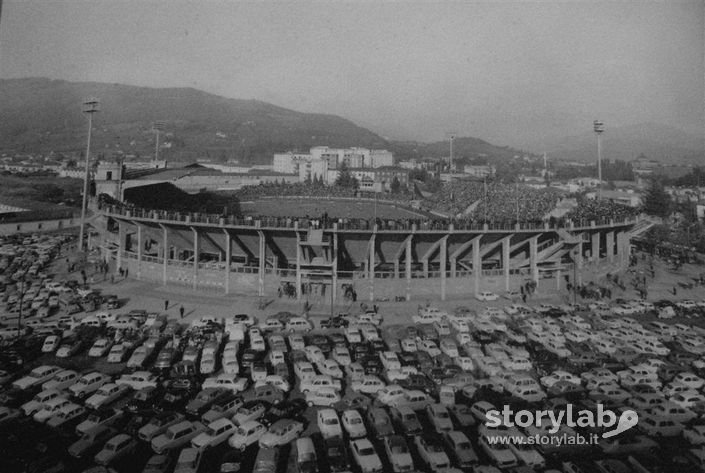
x=334, y=268
x=407, y=263
x=444, y=257
x=195, y=258
x=595, y=256
x=609, y=243
x=298, y=262
x=506, y=260
x=476, y=264
x=262, y=263
x=140, y=246
x=165, y=262
x=579, y=264
x=371, y=264
x=558, y=279
x=121, y=243
x=228, y=258
x=533, y=259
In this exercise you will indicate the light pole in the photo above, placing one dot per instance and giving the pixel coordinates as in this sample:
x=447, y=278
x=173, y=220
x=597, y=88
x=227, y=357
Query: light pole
x=90, y=106
x=158, y=126
x=485, y=186
x=599, y=128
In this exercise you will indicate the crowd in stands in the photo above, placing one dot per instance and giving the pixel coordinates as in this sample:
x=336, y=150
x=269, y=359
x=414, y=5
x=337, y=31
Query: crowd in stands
x=508, y=202
x=493, y=201
x=593, y=209
x=495, y=206
x=298, y=189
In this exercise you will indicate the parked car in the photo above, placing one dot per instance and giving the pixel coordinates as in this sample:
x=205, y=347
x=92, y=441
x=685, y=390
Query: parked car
x=247, y=434
x=115, y=448
x=365, y=456
x=398, y=453
x=216, y=433
x=88, y=383
x=107, y=394
x=281, y=432
x=176, y=436
x=431, y=451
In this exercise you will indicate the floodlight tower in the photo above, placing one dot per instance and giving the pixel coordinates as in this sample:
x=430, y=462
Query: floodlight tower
x=90, y=106
x=158, y=126
x=451, y=137
x=599, y=128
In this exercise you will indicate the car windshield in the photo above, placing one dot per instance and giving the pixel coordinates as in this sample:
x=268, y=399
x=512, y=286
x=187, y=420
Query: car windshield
x=355, y=420
x=433, y=447
x=331, y=421
x=365, y=451
x=464, y=446
x=442, y=415
x=399, y=448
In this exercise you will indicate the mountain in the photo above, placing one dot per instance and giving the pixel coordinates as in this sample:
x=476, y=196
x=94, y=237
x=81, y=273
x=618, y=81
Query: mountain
x=463, y=147
x=40, y=114
x=664, y=143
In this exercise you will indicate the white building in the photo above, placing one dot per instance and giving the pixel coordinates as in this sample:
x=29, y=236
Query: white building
x=305, y=164
x=288, y=163
x=479, y=170
x=309, y=170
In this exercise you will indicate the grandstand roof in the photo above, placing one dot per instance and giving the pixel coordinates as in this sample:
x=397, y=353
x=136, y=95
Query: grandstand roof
x=171, y=174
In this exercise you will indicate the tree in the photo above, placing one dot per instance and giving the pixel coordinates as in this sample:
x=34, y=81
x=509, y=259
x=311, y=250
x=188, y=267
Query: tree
x=396, y=185
x=346, y=179
x=418, y=175
x=656, y=201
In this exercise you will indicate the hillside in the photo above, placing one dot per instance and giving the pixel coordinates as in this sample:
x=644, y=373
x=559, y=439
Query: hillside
x=463, y=147
x=44, y=115
x=666, y=144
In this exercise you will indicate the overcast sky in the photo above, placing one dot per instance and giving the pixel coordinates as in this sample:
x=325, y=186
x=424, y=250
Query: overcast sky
x=508, y=72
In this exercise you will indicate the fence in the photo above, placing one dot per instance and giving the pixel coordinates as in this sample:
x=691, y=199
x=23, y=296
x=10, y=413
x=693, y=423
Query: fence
x=358, y=224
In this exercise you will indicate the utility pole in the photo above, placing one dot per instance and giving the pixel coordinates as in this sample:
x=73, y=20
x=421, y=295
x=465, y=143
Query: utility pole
x=90, y=106
x=158, y=126
x=599, y=128
x=451, y=138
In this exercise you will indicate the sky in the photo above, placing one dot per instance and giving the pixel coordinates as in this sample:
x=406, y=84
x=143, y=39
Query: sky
x=511, y=72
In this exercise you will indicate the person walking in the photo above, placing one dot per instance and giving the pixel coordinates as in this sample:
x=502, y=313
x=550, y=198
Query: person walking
x=166, y=304
x=181, y=311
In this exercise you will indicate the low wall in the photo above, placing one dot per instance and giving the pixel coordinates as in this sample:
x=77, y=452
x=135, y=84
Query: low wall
x=38, y=226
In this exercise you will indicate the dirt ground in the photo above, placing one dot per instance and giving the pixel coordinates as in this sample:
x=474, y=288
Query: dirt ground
x=153, y=296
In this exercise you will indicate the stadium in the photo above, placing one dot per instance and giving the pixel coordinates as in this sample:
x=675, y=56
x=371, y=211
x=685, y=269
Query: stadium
x=306, y=247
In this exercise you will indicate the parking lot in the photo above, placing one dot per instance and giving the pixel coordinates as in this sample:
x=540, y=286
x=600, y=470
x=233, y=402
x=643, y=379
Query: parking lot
x=96, y=376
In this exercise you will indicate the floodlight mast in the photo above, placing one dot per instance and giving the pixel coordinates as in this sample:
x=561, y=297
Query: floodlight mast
x=90, y=106
x=599, y=128
x=158, y=126
x=451, y=138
